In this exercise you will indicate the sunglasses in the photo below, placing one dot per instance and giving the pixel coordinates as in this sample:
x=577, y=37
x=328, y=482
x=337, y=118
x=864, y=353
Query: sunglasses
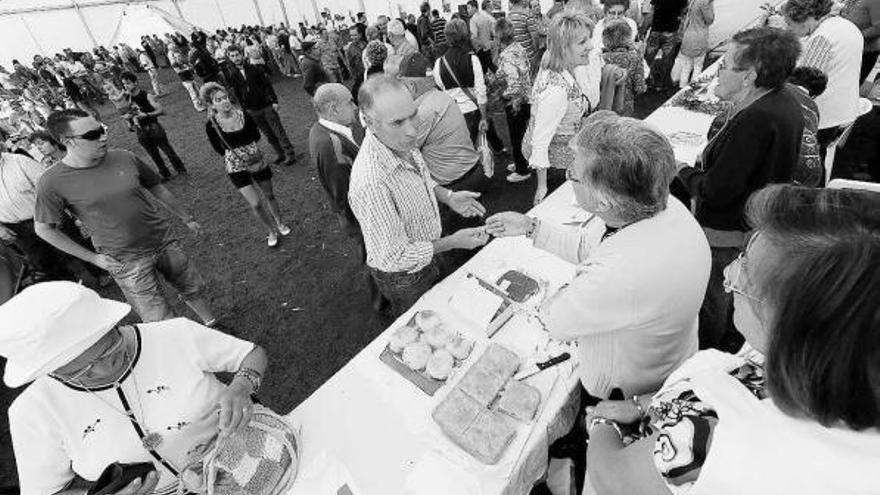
x=93, y=135
x=106, y=354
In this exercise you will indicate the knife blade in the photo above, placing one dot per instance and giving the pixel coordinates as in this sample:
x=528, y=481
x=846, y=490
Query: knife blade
x=538, y=367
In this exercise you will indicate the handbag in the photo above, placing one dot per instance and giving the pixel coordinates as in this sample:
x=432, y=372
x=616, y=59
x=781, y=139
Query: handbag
x=247, y=158
x=260, y=459
x=117, y=476
x=486, y=155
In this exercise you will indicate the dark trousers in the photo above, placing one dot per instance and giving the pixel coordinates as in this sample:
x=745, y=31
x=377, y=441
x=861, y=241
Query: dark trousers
x=485, y=58
x=716, y=314
x=45, y=258
x=825, y=137
x=668, y=44
x=377, y=300
x=517, y=124
x=472, y=119
x=403, y=289
x=153, y=138
x=869, y=60
x=269, y=122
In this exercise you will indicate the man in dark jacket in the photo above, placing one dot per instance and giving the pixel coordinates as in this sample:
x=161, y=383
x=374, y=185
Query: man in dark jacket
x=252, y=89
x=314, y=74
x=333, y=148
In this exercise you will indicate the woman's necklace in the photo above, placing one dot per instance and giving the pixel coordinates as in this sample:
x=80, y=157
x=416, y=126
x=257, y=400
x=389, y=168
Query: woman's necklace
x=149, y=439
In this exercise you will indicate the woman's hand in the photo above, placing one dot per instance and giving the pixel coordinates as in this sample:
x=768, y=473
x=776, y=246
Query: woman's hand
x=621, y=411
x=508, y=224
x=138, y=487
x=236, y=407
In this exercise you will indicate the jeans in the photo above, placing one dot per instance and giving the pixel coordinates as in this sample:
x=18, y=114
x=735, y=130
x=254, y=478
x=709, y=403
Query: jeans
x=485, y=58
x=153, y=138
x=154, y=81
x=193, y=92
x=686, y=69
x=668, y=44
x=403, y=289
x=716, y=314
x=139, y=280
x=517, y=124
x=269, y=122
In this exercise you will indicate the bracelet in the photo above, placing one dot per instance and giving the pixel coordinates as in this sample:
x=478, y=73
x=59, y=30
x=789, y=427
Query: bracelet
x=533, y=226
x=599, y=420
x=635, y=399
x=253, y=376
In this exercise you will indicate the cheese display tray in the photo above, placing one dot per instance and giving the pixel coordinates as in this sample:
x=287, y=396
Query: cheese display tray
x=425, y=352
x=482, y=414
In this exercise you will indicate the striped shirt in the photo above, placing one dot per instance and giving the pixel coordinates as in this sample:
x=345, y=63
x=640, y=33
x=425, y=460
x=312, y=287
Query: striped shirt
x=438, y=25
x=525, y=26
x=395, y=205
x=19, y=176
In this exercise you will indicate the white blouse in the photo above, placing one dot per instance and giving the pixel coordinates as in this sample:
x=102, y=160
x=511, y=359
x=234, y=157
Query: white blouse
x=58, y=431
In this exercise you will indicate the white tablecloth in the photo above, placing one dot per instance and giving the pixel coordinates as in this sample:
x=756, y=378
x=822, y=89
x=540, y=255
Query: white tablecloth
x=372, y=430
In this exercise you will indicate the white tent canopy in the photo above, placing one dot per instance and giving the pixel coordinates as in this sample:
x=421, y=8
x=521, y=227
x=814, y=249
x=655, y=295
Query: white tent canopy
x=46, y=27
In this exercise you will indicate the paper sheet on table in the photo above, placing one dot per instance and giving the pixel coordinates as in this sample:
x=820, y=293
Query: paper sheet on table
x=323, y=475
x=686, y=131
x=437, y=475
x=475, y=303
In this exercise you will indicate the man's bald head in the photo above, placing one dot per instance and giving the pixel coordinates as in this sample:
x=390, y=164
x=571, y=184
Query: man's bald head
x=375, y=87
x=329, y=95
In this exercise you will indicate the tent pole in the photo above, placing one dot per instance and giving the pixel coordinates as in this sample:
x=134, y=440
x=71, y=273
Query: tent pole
x=220, y=11
x=177, y=7
x=317, y=12
x=259, y=13
x=31, y=33
x=85, y=24
x=284, y=12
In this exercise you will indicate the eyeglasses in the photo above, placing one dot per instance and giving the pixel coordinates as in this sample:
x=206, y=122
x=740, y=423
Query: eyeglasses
x=93, y=135
x=734, y=279
x=723, y=66
x=75, y=379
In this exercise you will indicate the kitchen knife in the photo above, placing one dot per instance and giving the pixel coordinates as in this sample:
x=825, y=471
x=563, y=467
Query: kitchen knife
x=538, y=367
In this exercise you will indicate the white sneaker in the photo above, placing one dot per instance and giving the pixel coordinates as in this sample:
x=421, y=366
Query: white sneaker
x=272, y=240
x=515, y=177
x=284, y=230
x=511, y=167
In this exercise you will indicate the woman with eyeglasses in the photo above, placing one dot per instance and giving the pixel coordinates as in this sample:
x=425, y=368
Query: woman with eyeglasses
x=758, y=144
x=104, y=392
x=797, y=410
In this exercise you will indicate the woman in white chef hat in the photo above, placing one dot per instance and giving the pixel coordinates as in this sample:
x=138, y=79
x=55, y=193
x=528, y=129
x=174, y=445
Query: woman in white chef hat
x=104, y=392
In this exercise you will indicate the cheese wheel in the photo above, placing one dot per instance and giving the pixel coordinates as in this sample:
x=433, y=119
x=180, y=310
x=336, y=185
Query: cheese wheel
x=460, y=347
x=402, y=337
x=436, y=338
x=428, y=320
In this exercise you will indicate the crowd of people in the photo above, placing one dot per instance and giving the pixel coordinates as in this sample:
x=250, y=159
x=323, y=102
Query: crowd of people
x=726, y=317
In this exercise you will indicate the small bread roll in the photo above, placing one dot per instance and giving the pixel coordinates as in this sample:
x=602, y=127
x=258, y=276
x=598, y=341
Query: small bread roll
x=436, y=338
x=428, y=320
x=440, y=365
x=460, y=347
x=416, y=355
x=402, y=337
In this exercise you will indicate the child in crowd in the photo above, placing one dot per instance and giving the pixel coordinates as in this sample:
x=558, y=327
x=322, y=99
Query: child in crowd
x=620, y=51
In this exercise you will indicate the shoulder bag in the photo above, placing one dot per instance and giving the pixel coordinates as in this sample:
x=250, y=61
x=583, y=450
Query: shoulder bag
x=247, y=158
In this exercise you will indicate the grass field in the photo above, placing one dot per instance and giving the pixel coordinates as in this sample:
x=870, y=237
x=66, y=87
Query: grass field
x=305, y=301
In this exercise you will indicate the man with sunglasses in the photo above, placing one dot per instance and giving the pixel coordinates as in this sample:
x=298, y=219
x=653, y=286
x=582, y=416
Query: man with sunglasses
x=116, y=196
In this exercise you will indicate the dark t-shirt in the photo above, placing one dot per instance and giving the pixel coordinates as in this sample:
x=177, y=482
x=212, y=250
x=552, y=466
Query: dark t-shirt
x=112, y=200
x=667, y=15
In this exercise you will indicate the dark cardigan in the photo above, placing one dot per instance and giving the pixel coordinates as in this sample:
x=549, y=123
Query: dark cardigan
x=759, y=146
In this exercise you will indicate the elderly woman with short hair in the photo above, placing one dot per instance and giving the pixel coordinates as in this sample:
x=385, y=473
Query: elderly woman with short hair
x=632, y=307
x=759, y=144
x=104, y=392
x=798, y=410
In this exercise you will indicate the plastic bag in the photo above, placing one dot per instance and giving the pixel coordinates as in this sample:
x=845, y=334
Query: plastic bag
x=486, y=155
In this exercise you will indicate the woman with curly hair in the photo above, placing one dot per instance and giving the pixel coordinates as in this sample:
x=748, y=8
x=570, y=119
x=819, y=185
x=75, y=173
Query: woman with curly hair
x=833, y=45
